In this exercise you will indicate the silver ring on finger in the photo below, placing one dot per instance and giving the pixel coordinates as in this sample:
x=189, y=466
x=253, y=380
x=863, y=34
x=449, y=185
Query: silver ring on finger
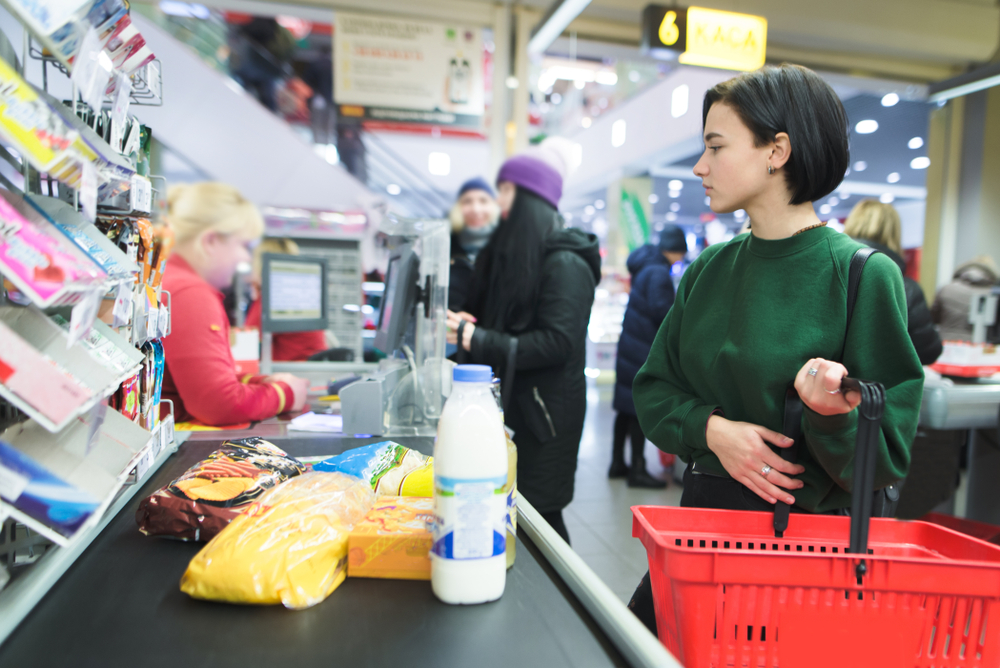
x=764, y=471
x=813, y=371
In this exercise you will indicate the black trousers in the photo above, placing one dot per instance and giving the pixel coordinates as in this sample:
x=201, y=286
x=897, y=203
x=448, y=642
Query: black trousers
x=555, y=520
x=628, y=425
x=700, y=491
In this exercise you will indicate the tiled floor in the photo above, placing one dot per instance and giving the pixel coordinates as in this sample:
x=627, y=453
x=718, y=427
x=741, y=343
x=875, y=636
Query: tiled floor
x=599, y=519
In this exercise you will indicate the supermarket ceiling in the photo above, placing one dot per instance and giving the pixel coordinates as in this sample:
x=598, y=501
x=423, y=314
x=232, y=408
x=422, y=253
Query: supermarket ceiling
x=918, y=40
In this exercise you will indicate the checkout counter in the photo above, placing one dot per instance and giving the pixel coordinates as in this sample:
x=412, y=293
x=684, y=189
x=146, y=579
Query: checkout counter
x=120, y=602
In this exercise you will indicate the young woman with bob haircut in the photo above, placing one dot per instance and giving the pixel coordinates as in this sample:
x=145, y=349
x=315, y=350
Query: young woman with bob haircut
x=769, y=309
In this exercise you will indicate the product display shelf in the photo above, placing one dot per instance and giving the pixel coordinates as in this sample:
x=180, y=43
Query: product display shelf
x=29, y=586
x=47, y=338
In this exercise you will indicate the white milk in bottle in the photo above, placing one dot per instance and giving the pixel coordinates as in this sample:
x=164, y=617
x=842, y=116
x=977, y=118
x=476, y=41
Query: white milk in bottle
x=468, y=562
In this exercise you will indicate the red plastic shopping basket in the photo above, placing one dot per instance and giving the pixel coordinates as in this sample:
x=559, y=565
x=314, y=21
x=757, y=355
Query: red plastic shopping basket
x=727, y=592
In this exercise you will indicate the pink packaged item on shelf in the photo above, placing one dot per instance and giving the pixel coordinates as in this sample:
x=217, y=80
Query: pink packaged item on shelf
x=40, y=260
x=37, y=381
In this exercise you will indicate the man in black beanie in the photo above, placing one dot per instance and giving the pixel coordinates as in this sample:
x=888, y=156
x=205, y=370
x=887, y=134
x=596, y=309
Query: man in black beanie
x=651, y=297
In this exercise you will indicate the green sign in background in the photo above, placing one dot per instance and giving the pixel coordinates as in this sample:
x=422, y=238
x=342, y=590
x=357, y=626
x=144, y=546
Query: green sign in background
x=632, y=220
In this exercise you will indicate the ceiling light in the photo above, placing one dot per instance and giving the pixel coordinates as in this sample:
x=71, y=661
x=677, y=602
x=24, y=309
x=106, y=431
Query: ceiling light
x=568, y=216
x=654, y=198
x=825, y=210
x=671, y=217
x=512, y=82
x=833, y=201
x=866, y=127
x=585, y=121
x=634, y=76
x=579, y=83
x=560, y=15
x=439, y=164
x=923, y=162
x=679, y=101
x=916, y=142
x=893, y=178
x=675, y=184
x=887, y=198
x=618, y=133
x=675, y=206
x=588, y=210
x=860, y=166
x=739, y=214
x=599, y=204
x=556, y=98
x=890, y=100
x=606, y=78
x=708, y=200
x=393, y=189
x=674, y=194
x=843, y=194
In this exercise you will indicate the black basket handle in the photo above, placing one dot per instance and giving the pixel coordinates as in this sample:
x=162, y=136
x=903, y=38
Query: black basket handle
x=870, y=412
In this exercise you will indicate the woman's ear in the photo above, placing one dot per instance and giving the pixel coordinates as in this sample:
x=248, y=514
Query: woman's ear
x=781, y=150
x=208, y=242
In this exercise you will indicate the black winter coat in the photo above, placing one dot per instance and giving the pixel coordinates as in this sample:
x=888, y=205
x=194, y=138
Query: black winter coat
x=651, y=297
x=460, y=275
x=549, y=398
x=919, y=326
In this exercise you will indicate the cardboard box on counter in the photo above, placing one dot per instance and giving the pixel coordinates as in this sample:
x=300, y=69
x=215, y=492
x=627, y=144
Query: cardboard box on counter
x=394, y=541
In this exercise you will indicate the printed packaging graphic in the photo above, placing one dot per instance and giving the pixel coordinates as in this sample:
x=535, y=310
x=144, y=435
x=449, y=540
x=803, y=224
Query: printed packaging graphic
x=390, y=468
x=35, y=491
x=394, y=541
x=38, y=259
x=471, y=517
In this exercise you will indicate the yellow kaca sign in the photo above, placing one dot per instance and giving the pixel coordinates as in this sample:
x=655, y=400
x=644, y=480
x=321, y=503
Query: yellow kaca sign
x=724, y=40
x=706, y=37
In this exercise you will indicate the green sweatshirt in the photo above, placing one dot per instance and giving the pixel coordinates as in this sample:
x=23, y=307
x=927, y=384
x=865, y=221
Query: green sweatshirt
x=748, y=315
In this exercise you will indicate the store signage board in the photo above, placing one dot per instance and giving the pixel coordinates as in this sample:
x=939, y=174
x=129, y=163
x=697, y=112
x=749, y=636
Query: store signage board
x=395, y=69
x=706, y=37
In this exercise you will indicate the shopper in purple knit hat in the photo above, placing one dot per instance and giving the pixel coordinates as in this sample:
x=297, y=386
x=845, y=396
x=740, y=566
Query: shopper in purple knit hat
x=527, y=317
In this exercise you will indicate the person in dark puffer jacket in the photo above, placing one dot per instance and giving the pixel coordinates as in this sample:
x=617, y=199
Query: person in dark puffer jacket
x=877, y=225
x=650, y=299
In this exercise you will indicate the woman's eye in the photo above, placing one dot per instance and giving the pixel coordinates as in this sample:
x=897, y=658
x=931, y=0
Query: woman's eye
x=714, y=148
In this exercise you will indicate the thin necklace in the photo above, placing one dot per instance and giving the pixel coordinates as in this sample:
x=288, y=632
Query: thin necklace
x=811, y=227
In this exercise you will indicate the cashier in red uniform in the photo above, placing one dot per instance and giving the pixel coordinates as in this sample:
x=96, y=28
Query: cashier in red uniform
x=215, y=228
x=286, y=346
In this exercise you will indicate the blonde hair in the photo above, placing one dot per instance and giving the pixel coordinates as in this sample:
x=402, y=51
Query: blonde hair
x=274, y=245
x=875, y=221
x=196, y=208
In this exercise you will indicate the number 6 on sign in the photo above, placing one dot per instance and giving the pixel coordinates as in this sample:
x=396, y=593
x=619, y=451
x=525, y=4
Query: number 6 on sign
x=669, y=32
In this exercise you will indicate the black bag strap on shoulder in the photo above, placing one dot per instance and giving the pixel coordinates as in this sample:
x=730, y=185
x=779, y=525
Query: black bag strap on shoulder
x=792, y=425
x=853, y=283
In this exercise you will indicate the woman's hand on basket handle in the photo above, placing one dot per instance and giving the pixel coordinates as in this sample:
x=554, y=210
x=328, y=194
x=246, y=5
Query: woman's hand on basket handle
x=742, y=449
x=820, y=391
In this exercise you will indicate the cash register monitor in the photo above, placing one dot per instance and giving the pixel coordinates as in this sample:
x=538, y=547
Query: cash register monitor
x=398, y=300
x=293, y=293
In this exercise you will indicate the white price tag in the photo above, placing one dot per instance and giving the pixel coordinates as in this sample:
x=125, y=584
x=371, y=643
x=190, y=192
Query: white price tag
x=164, y=321
x=91, y=70
x=123, y=97
x=12, y=483
x=88, y=191
x=167, y=431
x=96, y=418
x=157, y=439
x=152, y=322
x=83, y=316
x=153, y=79
x=142, y=194
x=123, y=304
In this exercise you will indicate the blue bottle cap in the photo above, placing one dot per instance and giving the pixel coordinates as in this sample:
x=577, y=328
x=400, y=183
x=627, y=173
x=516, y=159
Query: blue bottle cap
x=473, y=373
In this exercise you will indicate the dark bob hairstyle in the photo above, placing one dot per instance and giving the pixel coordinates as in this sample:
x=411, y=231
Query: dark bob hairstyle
x=794, y=100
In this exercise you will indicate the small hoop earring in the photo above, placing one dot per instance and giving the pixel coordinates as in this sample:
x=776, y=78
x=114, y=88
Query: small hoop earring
x=770, y=169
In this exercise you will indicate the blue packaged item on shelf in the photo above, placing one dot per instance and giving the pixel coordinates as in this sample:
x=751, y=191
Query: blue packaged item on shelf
x=36, y=492
x=390, y=468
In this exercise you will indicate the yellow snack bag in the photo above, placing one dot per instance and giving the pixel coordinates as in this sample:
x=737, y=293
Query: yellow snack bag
x=289, y=547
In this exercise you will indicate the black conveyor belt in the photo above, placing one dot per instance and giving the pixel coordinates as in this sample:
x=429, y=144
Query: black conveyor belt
x=120, y=605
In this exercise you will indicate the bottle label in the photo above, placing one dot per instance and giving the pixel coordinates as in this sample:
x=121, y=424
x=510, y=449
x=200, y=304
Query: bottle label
x=471, y=517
